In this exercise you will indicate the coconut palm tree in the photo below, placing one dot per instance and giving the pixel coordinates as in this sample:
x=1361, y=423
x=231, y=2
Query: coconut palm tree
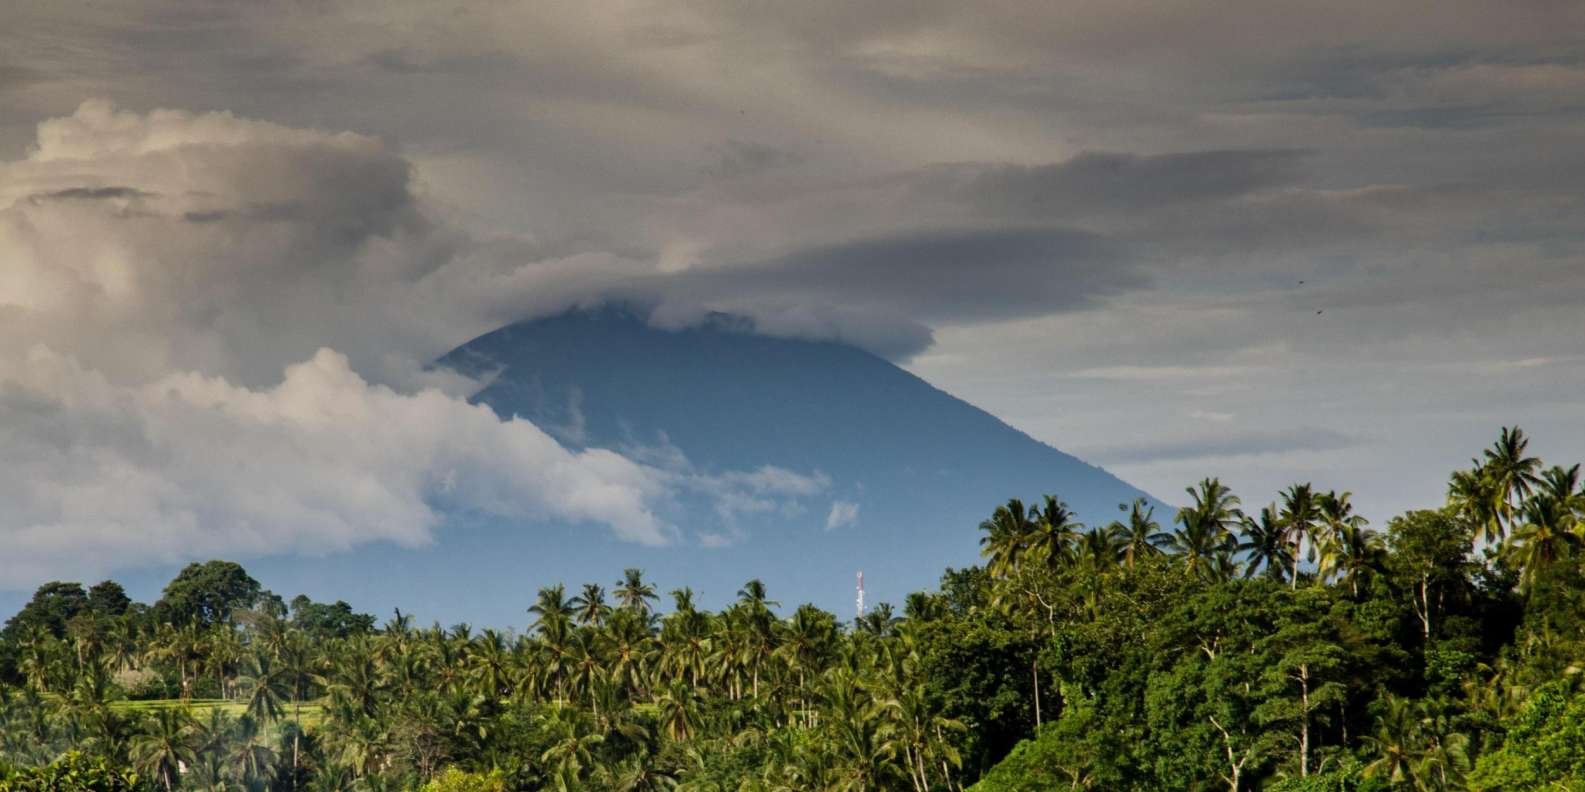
x=589, y=606
x=1473, y=494
x=629, y=651
x=1396, y=742
x=1563, y=485
x=251, y=761
x=678, y=710
x=633, y=593
x=1055, y=536
x=1007, y=535
x=1265, y=550
x=861, y=741
x=489, y=664
x=572, y=744
x=1352, y=552
x=551, y=607
x=1140, y=526
x=1512, y=474
x=269, y=686
x=165, y=746
x=1546, y=535
x=1205, y=529
x=1301, y=515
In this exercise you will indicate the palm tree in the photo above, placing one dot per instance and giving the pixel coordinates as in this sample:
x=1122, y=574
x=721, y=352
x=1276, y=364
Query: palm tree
x=879, y=621
x=489, y=663
x=589, y=607
x=633, y=593
x=1263, y=546
x=1008, y=532
x=165, y=746
x=1547, y=535
x=353, y=678
x=640, y=773
x=1055, y=535
x=921, y=606
x=297, y=669
x=804, y=648
x=1352, y=552
x=586, y=669
x=1445, y=754
x=1474, y=495
x=572, y=744
x=1300, y=516
x=224, y=650
x=753, y=597
x=1396, y=743
x=552, y=607
x=39, y=658
x=920, y=728
x=629, y=650
x=677, y=709
x=1512, y=474
x=1206, y=529
x=271, y=686
x=250, y=759
x=860, y=739
x=1138, y=530
x=1347, y=548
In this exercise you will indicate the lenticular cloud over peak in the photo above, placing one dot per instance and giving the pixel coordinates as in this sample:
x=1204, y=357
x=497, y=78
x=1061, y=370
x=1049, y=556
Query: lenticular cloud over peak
x=214, y=332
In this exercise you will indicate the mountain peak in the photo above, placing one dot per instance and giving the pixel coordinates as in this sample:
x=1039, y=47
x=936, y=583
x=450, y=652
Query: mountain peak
x=906, y=470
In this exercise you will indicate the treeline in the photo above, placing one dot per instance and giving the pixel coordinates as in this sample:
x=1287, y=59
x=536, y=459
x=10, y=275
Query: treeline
x=1291, y=646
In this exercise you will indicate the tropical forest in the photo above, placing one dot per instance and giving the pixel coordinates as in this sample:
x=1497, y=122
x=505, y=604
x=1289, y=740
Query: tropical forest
x=1236, y=644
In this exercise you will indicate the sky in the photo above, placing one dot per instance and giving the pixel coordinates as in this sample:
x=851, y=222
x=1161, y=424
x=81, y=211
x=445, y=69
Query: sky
x=1339, y=242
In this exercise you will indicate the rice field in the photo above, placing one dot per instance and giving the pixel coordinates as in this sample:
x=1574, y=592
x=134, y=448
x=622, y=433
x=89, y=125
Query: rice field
x=312, y=711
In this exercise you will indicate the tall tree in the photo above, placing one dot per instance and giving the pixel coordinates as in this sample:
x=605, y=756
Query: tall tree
x=1512, y=473
x=633, y=593
x=167, y=745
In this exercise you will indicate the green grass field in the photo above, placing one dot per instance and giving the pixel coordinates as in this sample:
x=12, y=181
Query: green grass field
x=312, y=711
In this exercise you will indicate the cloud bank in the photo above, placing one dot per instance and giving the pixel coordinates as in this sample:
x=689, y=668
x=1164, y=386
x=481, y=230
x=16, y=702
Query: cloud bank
x=1131, y=194
x=215, y=335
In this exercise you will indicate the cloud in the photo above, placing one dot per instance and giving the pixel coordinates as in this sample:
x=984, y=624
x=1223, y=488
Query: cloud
x=937, y=275
x=1223, y=444
x=1423, y=178
x=102, y=475
x=842, y=514
x=1094, y=182
x=169, y=241
x=215, y=338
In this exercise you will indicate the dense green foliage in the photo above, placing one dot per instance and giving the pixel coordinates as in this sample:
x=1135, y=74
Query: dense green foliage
x=1294, y=648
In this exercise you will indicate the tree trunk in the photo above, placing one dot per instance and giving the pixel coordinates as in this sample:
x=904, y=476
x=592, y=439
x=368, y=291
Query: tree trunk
x=1425, y=606
x=1298, y=547
x=1034, y=672
x=1304, y=720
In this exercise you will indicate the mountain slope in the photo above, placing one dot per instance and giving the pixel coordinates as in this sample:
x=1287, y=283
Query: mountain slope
x=915, y=468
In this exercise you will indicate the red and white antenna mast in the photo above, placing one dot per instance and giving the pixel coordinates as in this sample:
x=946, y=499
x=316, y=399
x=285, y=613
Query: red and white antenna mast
x=861, y=594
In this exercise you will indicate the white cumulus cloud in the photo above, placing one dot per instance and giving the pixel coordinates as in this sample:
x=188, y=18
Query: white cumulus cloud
x=842, y=514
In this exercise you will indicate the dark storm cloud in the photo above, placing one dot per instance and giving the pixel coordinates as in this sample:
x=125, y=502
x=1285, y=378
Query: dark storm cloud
x=972, y=275
x=1102, y=181
x=90, y=194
